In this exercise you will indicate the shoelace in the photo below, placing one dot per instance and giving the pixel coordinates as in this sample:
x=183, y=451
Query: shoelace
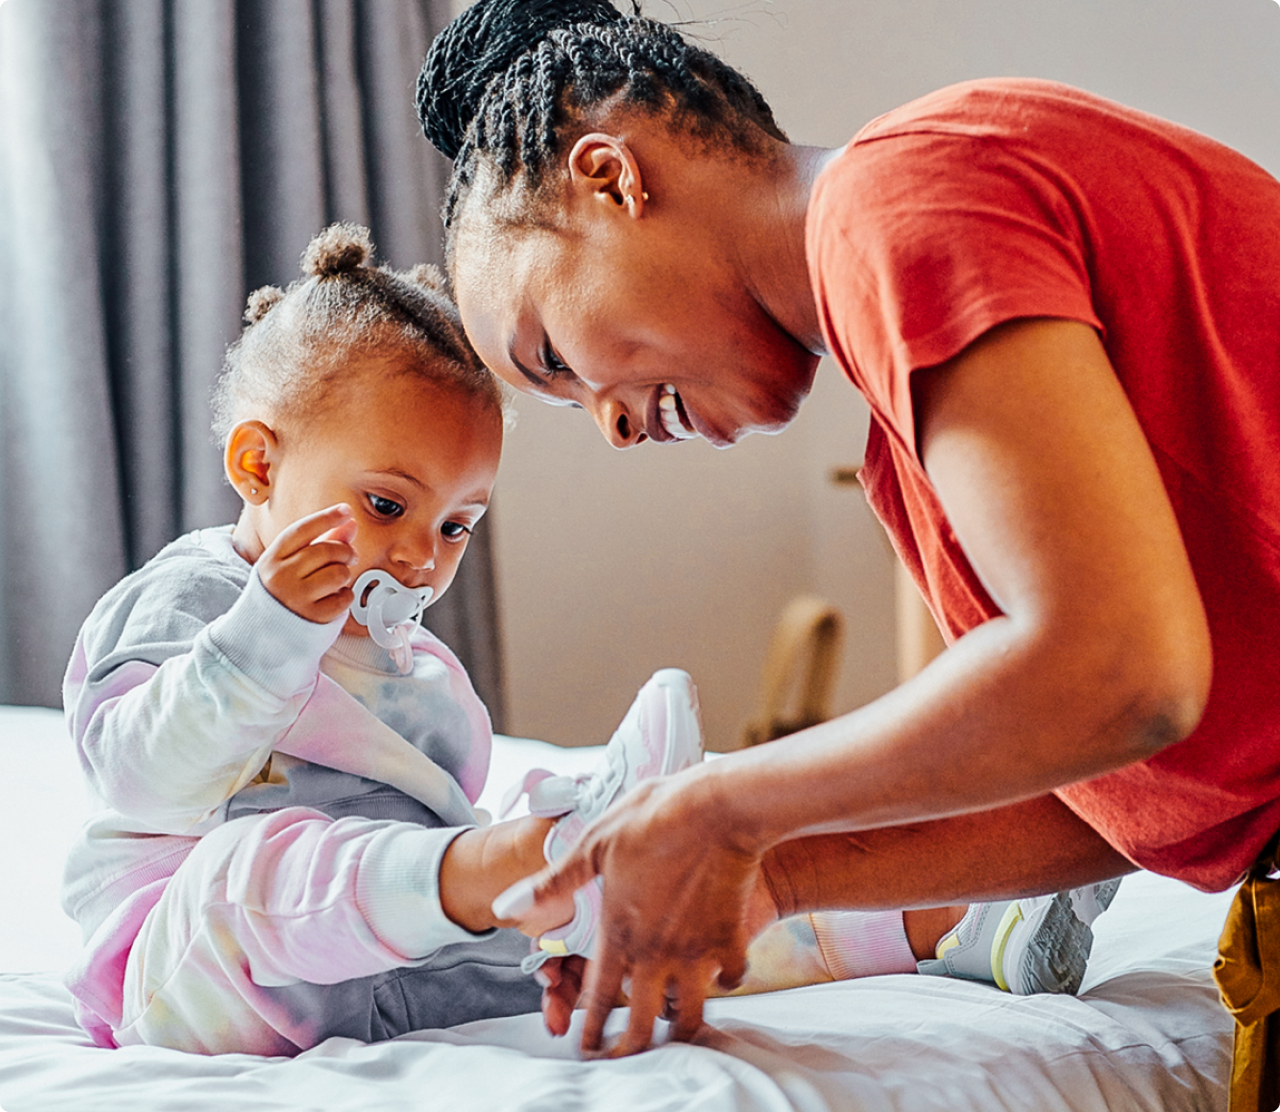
x=551, y=796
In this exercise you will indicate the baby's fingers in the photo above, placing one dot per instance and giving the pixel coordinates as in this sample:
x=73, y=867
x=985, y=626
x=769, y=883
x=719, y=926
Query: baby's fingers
x=295, y=537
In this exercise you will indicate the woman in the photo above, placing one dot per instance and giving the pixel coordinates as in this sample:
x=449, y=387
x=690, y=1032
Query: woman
x=1065, y=318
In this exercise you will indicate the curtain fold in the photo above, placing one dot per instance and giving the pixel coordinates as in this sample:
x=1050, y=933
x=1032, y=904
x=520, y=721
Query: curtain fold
x=159, y=159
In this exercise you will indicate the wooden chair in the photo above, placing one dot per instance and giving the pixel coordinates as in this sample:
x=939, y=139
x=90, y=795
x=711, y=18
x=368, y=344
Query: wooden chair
x=799, y=670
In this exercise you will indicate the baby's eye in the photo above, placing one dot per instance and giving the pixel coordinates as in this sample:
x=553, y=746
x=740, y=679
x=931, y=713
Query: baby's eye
x=455, y=530
x=385, y=507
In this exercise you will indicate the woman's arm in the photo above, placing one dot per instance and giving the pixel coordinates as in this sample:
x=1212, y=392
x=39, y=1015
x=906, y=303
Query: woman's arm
x=1102, y=655
x=1101, y=658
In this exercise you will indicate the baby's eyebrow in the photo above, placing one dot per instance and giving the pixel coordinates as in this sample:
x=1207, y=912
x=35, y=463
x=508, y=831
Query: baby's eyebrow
x=400, y=475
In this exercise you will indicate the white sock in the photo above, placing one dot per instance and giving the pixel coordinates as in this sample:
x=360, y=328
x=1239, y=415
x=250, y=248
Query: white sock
x=863, y=943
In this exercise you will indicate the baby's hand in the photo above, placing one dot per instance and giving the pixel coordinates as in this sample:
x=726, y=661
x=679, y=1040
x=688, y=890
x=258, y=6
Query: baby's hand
x=308, y=566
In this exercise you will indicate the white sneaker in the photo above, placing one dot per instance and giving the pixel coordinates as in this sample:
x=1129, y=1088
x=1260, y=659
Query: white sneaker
x=660, y=734
x=1036, y=944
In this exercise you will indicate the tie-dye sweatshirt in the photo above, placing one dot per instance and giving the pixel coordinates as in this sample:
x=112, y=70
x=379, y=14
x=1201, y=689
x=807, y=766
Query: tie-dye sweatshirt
x=193, y=696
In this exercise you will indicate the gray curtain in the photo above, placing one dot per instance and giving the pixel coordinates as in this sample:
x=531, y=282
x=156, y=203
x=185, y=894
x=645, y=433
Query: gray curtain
x=158, y=160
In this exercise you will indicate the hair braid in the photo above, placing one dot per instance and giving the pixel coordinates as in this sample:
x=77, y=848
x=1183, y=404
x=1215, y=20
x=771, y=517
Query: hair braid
x=505, y=83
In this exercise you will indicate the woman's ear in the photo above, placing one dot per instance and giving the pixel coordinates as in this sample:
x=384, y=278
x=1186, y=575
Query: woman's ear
x=604, y=168
x=250, y=457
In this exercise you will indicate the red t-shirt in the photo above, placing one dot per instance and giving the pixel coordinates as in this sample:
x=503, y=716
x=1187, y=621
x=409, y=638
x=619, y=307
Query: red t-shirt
x=995, y=200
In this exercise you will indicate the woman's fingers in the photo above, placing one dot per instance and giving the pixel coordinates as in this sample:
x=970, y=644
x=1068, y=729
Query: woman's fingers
x=686, y=997
x=648, y=1001
x=538, y=902
x=733, y=971
x=676, y=909
x=601, y=991
x=561, y=988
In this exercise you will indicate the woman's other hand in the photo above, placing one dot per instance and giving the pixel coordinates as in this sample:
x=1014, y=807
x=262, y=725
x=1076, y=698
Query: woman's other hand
x=681, y=902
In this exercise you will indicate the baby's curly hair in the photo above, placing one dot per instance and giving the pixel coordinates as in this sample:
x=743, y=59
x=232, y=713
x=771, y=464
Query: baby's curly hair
x=298, y=341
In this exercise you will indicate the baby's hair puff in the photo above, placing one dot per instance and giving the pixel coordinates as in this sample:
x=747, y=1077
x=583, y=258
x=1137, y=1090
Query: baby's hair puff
x=298, y=342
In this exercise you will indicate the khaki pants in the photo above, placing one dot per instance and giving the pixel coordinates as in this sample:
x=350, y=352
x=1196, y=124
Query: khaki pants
x=1248, y=976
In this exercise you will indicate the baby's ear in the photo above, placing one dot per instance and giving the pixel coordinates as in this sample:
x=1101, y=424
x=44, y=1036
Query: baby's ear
x=249, y=459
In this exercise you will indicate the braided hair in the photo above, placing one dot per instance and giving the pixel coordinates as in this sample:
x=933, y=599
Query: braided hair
x=508, y=84
x=298, y=342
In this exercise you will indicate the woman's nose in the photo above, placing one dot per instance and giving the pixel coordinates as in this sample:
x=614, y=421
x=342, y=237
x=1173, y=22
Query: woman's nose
x=617, y=424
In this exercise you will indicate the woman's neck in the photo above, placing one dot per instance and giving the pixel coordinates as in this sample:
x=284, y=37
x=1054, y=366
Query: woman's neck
x=771, y=239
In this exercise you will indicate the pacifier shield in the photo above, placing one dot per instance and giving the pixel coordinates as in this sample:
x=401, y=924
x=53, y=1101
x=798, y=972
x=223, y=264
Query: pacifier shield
x=383, y=604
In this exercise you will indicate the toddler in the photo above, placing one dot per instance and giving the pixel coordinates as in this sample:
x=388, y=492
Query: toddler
x=284, y=762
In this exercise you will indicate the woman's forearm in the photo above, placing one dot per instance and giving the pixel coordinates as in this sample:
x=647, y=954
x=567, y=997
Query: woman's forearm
x=980, y=728
x=1030, y=847
x=1101, y=655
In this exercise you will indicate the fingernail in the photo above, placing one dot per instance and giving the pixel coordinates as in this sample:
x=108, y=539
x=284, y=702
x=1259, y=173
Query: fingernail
x=515, y=901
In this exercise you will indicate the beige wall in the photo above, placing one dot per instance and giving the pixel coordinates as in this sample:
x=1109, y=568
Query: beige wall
x=613, y=564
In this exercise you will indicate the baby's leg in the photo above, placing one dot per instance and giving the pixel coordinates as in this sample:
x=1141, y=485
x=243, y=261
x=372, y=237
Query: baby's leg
x=264, y=933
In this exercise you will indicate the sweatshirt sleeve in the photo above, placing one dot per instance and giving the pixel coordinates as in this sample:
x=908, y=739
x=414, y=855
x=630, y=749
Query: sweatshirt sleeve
x=180, y=683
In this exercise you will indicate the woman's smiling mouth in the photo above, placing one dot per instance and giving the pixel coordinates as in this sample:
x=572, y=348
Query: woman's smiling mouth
x=671, y=412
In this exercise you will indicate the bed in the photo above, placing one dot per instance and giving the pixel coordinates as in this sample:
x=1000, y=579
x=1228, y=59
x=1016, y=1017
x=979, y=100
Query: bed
x=1146, y=1032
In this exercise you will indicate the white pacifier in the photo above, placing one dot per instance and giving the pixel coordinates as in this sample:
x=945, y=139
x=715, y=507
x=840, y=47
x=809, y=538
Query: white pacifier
x=390, y=610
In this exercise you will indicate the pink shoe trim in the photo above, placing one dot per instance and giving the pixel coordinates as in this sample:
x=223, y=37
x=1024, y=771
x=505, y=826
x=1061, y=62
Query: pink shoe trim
x=653, y=729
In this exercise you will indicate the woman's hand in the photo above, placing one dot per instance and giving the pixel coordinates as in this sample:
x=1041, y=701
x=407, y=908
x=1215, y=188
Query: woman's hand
x=561, y=980
x=308, y=567
x=681, y=902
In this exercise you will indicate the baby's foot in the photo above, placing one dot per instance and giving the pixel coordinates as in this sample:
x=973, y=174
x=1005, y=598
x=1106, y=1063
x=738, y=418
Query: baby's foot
x=660, y=734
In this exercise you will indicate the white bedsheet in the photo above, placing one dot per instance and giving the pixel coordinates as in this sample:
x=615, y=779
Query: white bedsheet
x=1147, y=1032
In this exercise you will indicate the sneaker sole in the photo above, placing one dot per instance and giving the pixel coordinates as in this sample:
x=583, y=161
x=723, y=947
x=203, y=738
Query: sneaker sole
x=1057, y=951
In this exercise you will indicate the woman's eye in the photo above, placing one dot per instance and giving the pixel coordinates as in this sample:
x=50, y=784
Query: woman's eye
x=552, y=363
x=455, y=530
x=385, y=507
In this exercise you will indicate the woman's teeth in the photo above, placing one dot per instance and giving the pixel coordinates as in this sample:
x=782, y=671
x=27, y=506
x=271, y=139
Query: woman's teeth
x=670, y=413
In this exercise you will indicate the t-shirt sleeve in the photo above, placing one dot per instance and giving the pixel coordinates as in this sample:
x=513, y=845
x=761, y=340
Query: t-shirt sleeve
x=922, y=242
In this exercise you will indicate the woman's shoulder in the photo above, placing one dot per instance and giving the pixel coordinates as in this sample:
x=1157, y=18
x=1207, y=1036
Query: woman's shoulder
x=1004, y=107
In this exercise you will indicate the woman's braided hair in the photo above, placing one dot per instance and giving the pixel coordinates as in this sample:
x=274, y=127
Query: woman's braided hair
x=509, y=82
x=300, y=342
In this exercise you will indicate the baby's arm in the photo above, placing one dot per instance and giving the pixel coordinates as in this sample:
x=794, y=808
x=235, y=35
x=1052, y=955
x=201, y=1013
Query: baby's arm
x=182, y=681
